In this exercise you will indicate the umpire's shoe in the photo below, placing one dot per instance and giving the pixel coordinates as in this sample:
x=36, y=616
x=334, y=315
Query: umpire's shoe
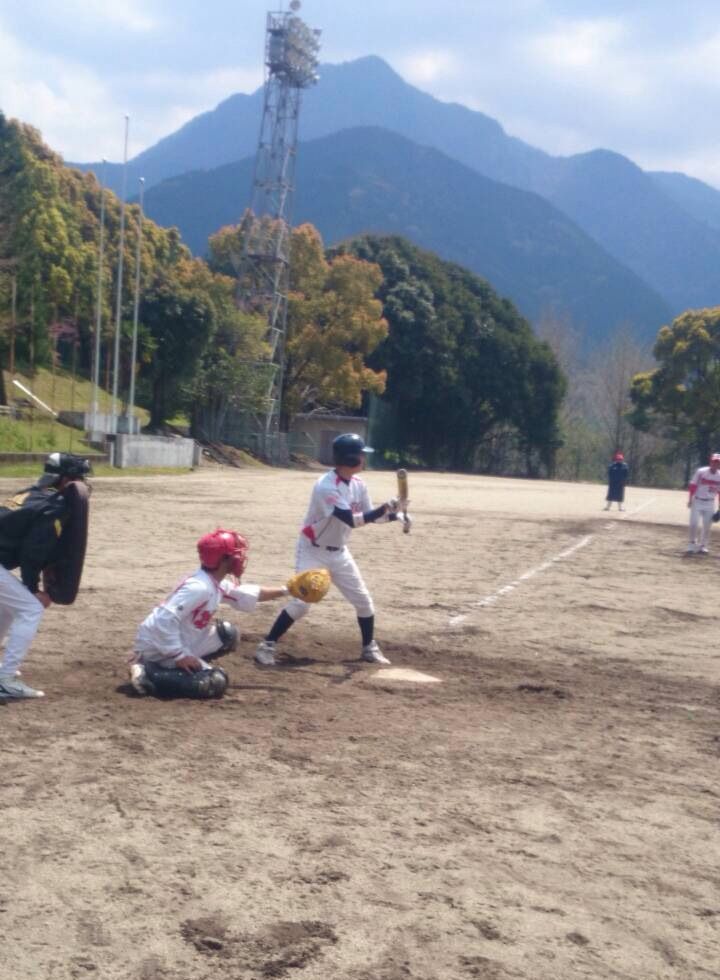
x=373, y=654
x=12, y=687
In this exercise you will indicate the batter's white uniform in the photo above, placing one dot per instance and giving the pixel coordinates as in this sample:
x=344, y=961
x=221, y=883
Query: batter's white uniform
x=703, y=506
x=182, y=623
x=323, y=540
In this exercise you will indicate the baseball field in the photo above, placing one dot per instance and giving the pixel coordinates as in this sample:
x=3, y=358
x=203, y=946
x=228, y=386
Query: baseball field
x=540, y=803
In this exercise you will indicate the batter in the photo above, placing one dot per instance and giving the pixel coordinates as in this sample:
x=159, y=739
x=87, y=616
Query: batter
x=339, y=503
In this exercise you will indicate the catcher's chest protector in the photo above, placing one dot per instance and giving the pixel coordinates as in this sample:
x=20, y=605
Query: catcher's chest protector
x=62, y=578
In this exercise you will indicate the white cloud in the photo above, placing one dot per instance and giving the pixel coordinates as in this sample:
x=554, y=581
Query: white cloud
x=577, y=45
x=425, y=67
x=77, y=109
x=132, y=15
x=64, y=101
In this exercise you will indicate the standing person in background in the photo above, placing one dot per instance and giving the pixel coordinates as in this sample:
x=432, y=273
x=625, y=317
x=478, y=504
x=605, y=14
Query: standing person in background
x=617, y=478
x=703, y=490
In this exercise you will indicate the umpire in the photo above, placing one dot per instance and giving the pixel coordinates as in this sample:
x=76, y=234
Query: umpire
x=30, y=527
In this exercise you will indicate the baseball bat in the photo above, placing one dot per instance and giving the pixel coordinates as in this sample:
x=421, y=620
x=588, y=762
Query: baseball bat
x=402, y=485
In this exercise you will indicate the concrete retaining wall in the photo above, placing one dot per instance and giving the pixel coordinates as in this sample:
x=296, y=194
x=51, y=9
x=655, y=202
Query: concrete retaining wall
x=170, y=451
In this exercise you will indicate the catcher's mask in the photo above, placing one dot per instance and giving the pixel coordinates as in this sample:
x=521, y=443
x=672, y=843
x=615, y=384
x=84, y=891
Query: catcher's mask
x=219, y=544
x=58, y=465
x=349, y=449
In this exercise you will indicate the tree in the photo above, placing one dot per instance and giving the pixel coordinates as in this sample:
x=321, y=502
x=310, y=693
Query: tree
x=468, y=384
x=180, y=318
x=681, y=397
x=230, y=374
x=334, y=320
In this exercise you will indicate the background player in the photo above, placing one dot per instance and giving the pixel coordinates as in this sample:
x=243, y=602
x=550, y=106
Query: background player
x=30, y=527
x=703, y=490
x=172, y=642
x=617, y=478
x=339, y=502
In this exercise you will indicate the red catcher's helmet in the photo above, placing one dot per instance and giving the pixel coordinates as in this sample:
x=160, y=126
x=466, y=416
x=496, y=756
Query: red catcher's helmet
x=220, y=544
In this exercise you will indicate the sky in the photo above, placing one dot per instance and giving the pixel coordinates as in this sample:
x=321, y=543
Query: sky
x=641, y=77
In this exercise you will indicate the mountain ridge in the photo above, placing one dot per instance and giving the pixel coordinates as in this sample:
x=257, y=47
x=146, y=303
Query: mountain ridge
x=650, y=224
x=527, y=249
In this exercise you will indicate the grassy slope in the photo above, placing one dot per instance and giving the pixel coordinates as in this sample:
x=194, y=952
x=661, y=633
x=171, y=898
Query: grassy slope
x=36, y=431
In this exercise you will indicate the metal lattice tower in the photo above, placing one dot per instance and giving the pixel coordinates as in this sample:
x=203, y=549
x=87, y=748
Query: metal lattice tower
x=291, y=60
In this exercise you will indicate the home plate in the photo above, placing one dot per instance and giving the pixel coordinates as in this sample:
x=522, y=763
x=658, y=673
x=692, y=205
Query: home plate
x=404, y=674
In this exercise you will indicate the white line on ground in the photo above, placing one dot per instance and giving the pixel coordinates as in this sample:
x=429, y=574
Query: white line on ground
x=494, y=597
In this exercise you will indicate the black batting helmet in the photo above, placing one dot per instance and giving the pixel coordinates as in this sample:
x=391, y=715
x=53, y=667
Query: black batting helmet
x=348, y=449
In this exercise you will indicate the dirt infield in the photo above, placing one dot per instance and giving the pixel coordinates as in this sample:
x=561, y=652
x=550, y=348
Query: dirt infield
x=547, y=811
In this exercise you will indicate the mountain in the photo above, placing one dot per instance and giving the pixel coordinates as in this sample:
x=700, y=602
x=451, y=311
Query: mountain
x=364, y=92
x=647, y=223
x=695, y=197
x=370, y=180
x=626, y=212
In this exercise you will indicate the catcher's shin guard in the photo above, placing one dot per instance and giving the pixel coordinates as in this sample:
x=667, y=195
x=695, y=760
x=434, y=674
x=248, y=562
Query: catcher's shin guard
x=228, y=636
x=172, y=682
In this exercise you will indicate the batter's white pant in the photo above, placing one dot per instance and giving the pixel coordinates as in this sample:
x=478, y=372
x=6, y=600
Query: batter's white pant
x=20, y=615
x=701, y=512
x=344, y=573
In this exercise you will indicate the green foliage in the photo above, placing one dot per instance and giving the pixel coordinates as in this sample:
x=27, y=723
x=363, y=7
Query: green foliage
x=469, y=386
x=334, y=320
x=49, y=238
x=681, y=397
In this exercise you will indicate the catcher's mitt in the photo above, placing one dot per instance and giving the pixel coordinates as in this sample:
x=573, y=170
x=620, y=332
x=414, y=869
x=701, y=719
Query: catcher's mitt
x=310, y=586
x=716, y=516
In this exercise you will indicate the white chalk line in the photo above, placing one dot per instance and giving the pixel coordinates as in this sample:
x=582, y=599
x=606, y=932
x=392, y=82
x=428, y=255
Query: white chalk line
x=493, y=597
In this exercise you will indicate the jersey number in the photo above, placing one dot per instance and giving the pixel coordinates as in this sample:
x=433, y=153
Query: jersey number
x=201, y=617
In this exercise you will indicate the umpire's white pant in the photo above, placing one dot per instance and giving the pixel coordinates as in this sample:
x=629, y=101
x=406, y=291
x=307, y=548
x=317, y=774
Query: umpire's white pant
x=20, y=615
x=344, y=574
x=701, y=511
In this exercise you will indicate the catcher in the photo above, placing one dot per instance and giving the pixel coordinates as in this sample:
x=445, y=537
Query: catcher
x=340, y=502
x=43, y=530
x=175, y=642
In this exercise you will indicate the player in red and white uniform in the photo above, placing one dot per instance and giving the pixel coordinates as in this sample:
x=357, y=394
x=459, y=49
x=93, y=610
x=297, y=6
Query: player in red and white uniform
x=703, y=490
x=339, y=502
x=172, y=642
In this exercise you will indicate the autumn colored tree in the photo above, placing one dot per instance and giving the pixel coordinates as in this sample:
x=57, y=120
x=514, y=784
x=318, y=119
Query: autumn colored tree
x=334, y=321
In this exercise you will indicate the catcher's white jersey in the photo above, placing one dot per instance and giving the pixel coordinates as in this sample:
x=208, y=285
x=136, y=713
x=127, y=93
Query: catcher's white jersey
x=320, y=526
x=182, y=623
x=707, y=485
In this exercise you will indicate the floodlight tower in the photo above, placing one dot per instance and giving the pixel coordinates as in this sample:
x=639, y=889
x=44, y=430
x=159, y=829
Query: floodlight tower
x=291, y=61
